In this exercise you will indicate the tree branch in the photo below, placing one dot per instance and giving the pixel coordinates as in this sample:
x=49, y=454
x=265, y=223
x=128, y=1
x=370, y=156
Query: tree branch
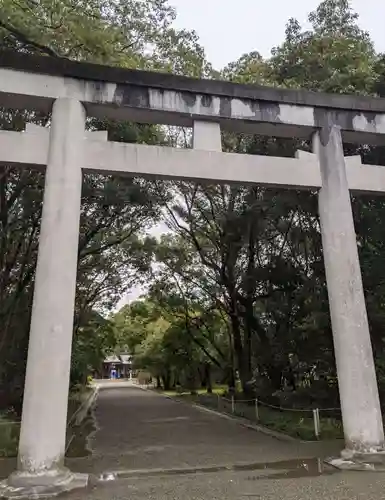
x=21, y=37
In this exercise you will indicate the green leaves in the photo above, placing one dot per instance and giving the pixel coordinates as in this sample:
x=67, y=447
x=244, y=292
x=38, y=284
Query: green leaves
x=335, y=56
x=254, y=255
x=129, y=33
x=114, y=252
x=93, y=340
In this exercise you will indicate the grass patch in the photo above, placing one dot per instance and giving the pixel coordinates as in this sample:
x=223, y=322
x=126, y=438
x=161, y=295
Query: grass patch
x=218, y=390
x=77, y=438
x=296, y=424
x=10, y=428
x=299, y=424
x=76, y=398
x=9, y=437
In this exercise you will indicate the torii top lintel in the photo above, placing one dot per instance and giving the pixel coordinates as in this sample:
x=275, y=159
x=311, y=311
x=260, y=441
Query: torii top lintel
x=151, y=97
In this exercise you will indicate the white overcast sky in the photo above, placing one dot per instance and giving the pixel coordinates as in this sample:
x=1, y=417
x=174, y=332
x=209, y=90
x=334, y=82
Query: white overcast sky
x=229, y=28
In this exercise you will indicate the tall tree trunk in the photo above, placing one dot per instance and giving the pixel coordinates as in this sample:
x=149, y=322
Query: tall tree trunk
x=209, y=386
x=238, y=347
x=166, y=377
x=247, y=373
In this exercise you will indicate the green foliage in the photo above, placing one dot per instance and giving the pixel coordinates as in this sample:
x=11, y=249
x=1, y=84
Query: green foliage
x=114, y=252
x=250, y=68
x=129, y=33
x=254, y=255
x=335, y=56
x=174, y=345
x=94, y=338
x=9, y=437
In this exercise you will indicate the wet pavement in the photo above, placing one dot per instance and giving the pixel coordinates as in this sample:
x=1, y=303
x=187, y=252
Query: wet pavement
x=141, y=430
x=141, y=445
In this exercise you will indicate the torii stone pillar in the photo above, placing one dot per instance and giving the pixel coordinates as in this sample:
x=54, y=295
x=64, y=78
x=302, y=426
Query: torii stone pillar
x=361, y=412
x=41, y=468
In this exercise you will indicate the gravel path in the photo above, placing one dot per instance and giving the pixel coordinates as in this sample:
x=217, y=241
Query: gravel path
x=159, y=449
x=164, y=450
x=140, y=429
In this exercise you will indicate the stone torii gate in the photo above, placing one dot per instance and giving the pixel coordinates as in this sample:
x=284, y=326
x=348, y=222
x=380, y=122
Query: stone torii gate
x=73, y=91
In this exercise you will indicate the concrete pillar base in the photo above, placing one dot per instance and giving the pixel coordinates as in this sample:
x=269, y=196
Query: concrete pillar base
x=23, y=485
x=358, y=461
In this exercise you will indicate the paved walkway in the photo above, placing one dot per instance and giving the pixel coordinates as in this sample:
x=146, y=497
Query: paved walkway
x=140, y=429
x=148, y=447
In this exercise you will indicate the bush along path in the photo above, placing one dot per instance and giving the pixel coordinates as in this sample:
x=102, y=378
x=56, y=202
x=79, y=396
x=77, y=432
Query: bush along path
x=9, y=436
x=78, y=404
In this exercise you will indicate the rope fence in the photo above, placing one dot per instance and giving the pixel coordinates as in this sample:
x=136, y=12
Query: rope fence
x=9, y=422
x=281, y=408
x=250, y=408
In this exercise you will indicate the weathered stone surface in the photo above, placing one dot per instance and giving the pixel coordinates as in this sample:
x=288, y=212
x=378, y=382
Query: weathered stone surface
x=43, y=427
x=20, y=486
x=168, y=99
x=360, y=404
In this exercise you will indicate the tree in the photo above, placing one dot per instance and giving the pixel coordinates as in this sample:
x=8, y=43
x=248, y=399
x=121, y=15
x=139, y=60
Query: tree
x=177, y=344
x=129, y=33
x=256, y=253
x=335, y=56
x=113, y=250
x=94, y=340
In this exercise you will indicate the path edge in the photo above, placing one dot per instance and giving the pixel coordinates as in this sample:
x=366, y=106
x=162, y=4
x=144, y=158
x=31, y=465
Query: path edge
x=239, y=420
x=83, y=409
